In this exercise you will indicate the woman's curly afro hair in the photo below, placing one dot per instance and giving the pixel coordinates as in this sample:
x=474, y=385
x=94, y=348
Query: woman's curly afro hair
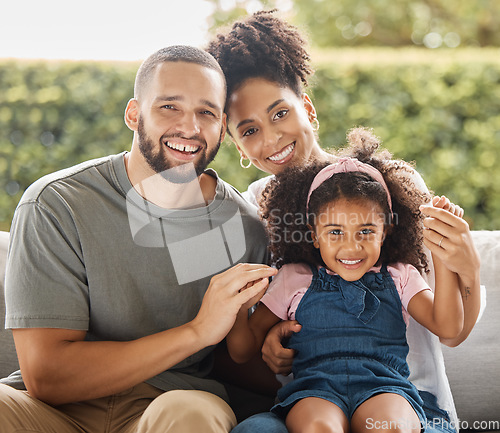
x=283, y=204
x=262, y=46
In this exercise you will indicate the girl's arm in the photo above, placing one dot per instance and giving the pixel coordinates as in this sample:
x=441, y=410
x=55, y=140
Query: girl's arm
x=248, y=333
x=458, y=253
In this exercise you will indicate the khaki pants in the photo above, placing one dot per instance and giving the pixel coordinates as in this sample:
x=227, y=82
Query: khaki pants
x=141, y=409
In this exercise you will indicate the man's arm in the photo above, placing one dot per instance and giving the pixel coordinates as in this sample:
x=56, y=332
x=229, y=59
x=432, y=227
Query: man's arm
x=58, y=366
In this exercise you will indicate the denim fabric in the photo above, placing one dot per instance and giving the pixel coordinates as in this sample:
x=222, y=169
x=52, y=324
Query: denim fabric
x=266, y=422
x=352, y=345
x=438, y=420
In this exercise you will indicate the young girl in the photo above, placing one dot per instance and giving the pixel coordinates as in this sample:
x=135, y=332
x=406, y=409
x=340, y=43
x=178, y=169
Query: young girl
x=347, y=238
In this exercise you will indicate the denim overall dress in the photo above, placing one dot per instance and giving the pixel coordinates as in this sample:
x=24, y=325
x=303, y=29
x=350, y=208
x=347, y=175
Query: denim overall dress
x=352, y=344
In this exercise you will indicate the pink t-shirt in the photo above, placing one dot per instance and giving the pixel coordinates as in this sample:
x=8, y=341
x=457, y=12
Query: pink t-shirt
x=292, y=281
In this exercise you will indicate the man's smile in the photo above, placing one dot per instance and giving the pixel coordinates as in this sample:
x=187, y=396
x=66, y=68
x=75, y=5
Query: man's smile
x=185, y=148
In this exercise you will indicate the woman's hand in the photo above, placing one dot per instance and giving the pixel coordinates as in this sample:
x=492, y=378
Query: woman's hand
x=449, y=239
x=448, y=236
x=278, y=358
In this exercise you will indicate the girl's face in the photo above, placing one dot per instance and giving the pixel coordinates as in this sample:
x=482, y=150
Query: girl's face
x=349, y=236
x=271, y=125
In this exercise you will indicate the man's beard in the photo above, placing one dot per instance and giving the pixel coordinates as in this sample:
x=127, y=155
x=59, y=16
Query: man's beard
x=180, y=173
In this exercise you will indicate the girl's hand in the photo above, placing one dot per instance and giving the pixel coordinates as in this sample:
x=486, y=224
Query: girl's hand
x=252, y=301
x=448, y=236
x=444, y=203
x=449, y=239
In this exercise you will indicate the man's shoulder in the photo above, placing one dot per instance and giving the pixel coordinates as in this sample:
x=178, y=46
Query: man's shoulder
x=51, y=181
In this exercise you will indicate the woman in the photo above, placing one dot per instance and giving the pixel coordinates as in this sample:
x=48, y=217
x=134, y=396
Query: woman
x=273, y=124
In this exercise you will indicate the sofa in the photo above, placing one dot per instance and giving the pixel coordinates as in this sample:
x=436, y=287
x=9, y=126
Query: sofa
x=473, y=368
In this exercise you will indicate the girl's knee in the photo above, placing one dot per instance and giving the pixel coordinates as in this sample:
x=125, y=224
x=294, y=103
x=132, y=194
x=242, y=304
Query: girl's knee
x=386, y=413
x=315, y=415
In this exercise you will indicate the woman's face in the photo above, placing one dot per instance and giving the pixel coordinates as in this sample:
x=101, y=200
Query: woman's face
x=271, y=125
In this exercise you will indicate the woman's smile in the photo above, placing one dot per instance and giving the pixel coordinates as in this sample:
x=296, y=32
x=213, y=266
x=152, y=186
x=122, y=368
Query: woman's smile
x=271, y=125
x=284, y=155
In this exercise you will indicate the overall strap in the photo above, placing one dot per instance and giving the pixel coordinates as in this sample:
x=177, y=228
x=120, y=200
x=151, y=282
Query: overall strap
x=314, y=270
x=385, y=272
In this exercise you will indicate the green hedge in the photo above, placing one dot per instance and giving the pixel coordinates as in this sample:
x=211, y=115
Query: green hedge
x=53, y=115
x=438, y=108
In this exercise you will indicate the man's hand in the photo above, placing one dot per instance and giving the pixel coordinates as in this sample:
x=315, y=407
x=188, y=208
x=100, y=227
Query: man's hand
x=225, y=296
x=274, y=354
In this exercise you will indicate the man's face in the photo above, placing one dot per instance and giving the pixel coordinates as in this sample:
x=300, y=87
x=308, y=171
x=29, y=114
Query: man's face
x=181, y=118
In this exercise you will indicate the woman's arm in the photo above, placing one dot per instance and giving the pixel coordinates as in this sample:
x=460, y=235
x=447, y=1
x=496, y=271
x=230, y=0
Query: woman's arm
x=449, y=239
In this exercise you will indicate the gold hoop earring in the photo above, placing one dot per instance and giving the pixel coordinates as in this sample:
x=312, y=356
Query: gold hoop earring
x=245, y=166
x=315, y=124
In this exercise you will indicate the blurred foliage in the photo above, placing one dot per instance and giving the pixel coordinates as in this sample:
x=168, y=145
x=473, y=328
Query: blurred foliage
x=432, y=23
x=438, y=108
x=54, y=115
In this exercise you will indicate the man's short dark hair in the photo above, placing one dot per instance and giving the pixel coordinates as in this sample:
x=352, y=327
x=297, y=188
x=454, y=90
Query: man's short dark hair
x=174, y=53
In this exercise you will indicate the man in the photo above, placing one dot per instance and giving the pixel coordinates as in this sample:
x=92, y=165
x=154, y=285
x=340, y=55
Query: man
x=109, y=286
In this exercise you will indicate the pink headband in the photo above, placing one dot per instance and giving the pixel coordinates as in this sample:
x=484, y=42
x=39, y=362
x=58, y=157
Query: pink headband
x=347, y=165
